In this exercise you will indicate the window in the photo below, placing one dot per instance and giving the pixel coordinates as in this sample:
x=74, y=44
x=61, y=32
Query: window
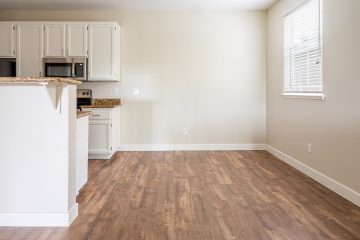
x=303, y=50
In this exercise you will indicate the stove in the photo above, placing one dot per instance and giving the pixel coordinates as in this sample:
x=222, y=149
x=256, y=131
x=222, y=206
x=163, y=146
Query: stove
x=84, y=97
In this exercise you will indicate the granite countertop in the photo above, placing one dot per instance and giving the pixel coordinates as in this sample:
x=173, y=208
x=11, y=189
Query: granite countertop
x=32, y=80
x=81, y=114
x=105, y=103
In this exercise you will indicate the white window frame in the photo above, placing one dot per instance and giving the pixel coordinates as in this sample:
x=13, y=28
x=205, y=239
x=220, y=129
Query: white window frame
x=304, y=94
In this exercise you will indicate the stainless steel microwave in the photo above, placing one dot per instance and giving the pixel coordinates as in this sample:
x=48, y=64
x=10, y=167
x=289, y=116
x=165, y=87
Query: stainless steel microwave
x=66, y=68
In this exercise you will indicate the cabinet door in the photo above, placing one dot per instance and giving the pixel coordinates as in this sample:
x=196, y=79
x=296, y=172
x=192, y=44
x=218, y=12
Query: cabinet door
x=76, y=40
x=102, y=52
x=7, y=40
x=115, y=119
x=29, y=50
x=54, y=40
x=100, y=137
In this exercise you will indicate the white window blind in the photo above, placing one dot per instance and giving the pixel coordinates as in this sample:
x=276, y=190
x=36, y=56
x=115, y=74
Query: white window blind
x=303, y=49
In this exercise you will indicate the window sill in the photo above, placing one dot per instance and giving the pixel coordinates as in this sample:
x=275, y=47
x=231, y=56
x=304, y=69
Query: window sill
x=312, y=96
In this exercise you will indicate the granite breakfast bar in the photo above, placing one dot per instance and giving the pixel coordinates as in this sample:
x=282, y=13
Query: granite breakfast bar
x=37, y=151
x=33, y=80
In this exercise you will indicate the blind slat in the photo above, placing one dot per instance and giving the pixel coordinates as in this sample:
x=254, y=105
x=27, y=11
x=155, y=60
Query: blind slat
x=303, y=49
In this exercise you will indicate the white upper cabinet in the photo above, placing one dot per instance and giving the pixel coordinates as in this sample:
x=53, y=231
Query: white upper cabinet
x=29, y=49
x=7, y=40
x=104, y=52
x=54, y=36
x=29, y=42
x=65, y=40
x=76, y=40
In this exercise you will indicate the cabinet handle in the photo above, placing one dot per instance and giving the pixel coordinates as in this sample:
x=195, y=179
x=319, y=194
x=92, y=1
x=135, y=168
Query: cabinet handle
x=96, y=115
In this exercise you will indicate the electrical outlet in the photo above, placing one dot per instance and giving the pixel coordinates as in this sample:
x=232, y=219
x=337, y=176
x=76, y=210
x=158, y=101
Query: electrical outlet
x=136, y=91
x=185, y=131
x=309, y=148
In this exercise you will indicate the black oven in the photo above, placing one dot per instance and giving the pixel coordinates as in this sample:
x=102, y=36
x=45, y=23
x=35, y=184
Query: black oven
x=7, y=67
x=84, y=98
x=66, y=68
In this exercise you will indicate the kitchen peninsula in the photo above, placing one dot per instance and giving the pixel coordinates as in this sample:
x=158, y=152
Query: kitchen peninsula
x=37, y=151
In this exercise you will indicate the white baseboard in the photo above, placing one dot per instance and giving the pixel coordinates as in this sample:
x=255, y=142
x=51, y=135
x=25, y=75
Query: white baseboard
x=335, y=186
x=190, y=147
x=100, y=156
x=45, y=219
x=73, y=213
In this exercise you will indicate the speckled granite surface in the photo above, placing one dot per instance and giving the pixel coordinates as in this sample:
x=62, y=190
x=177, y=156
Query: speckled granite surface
x=30, y=80
x=81, y=114
x=105, y=103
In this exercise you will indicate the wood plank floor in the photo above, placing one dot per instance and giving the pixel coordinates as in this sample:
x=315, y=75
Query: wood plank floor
x=202, y=195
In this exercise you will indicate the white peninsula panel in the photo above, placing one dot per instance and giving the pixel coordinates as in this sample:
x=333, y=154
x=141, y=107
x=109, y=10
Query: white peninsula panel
x=37, y=154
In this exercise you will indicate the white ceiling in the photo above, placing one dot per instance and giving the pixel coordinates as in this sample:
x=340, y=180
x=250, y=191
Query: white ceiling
x=136, y=5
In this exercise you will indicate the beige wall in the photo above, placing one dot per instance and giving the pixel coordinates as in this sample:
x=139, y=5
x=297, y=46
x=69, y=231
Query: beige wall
x=203, y=71
x=333, y=125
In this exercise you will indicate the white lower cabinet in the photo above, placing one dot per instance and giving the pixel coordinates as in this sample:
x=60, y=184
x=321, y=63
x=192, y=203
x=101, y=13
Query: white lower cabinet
x=104, y=132
x=100, y=137
x=82, y=148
